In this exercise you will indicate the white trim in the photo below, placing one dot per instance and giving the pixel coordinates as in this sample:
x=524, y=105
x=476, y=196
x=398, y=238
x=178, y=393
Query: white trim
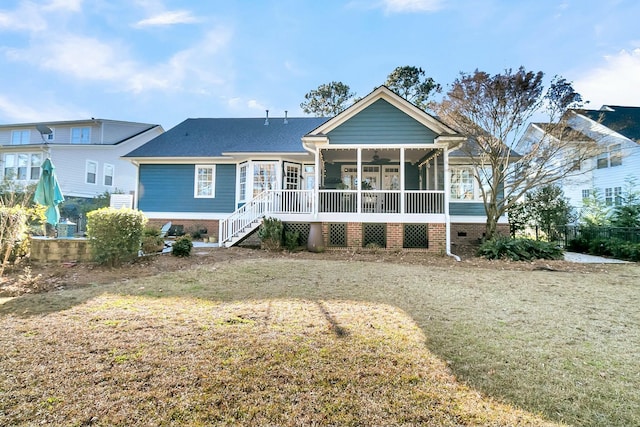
x=186, y=215
x=213, y=182
x=471, y=219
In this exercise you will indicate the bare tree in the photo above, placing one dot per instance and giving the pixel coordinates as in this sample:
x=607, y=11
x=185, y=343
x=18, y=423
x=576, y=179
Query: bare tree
x=494, y=112
x=411, y=84
x=328, y=100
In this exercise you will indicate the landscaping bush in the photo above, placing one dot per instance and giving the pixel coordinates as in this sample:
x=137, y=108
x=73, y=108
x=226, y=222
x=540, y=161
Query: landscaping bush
x=115, y=235
x=151, y=240
x=291, y=240
x=182, y=246
x=13, y=233
x=270, y=234
x=519, y=249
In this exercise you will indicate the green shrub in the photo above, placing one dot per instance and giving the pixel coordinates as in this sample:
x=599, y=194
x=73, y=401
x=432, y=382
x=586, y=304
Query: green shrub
x=182, y=246
x=115, y=235
x=13, y=233
x=270, y=233
x=519, y=249
x=291, y=240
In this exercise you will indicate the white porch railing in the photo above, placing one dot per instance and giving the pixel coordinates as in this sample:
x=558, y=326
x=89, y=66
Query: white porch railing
x=247, y=217
x=377, y=201
x=265, y=203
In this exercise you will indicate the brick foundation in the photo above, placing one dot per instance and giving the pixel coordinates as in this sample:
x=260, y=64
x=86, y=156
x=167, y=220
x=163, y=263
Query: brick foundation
x=472, y=234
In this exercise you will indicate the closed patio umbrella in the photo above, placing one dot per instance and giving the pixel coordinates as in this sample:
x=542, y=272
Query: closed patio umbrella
x=48, y=192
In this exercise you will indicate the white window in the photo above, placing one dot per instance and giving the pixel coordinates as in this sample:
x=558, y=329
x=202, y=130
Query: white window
x=242, y=181
x=464, y=183
x=264, y=177
x=92, y=172
x=611, y=157
x=615, y=155
x=81, y=135
x=586, y=194
x=22, y=166
x=617, y=195
x=204, y=181
x=608, y=196
x=108, y=175
x=19, y=137
x=36, y=162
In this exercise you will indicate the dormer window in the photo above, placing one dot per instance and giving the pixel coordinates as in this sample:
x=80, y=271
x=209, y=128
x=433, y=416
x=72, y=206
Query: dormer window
x=81, y=135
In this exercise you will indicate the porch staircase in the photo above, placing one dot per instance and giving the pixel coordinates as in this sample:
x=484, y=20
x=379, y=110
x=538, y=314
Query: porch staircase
x=245, y=220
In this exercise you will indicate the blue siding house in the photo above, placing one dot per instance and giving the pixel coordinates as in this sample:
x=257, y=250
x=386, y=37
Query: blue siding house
x=382, y=173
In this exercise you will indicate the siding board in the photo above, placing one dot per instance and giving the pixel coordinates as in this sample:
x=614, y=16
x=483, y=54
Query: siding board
x=170, y=187
x=382, y=123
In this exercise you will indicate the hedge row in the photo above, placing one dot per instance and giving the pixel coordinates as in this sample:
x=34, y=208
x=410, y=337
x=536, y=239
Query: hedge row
x=613, y=247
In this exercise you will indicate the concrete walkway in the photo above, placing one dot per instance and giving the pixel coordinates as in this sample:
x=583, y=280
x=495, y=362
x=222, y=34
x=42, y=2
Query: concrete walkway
x=590, y=259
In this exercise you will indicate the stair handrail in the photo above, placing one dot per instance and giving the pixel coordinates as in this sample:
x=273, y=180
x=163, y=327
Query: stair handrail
x=246, y=214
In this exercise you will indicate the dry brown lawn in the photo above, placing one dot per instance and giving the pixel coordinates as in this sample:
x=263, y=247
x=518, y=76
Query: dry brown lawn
x=310, y=339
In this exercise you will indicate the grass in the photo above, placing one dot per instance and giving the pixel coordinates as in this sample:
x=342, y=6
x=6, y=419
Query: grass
x=293, y=342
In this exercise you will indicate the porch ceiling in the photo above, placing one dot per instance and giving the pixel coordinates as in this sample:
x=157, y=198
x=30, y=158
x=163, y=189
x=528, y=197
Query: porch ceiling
x=411, y=155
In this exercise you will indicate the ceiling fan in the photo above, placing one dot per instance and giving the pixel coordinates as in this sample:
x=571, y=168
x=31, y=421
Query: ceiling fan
x=377, y=160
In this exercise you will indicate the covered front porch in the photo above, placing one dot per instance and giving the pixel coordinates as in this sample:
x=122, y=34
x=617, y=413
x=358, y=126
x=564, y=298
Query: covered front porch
x=381, y=181
x=359, y=185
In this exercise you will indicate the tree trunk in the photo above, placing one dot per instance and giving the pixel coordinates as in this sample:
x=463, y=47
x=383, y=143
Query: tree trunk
x=492, y=222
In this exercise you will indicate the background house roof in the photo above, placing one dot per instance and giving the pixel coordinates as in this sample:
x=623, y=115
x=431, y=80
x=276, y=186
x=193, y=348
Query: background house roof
x=207, y=137
x=624, y=120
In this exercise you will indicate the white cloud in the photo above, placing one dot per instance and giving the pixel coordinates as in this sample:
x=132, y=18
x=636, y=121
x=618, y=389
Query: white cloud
x=168, y=18
x=255, y=105
x=616, y=82
x=27, y=17
x=90, y=59
x=45, y=111
x=71, y=5
x=80, y=57
x=409, y=6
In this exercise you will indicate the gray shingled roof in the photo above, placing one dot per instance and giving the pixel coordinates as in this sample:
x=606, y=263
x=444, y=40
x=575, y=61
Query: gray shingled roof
x=212, y=137
x=624, y=120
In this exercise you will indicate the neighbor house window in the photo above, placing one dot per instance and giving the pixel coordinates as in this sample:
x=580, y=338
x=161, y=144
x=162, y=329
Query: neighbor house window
x=205, y=181
x=617, y=196
x=81, y=135
x=586, y=194
x=36, y=162
x=608, y=196
x=22, y=166
x=19, y=137
x=611, y=157
x=264, y=177
x=615, y=155
x=242, y=182
x=92, y=172
x=108, y=175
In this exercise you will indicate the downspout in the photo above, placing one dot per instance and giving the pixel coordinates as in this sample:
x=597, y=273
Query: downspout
x=447, y=194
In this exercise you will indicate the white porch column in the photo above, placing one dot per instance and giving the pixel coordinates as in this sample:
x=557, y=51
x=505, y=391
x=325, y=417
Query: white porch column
x=447, y=193
x=359, y=175
x=402, y=195
x=316, y=187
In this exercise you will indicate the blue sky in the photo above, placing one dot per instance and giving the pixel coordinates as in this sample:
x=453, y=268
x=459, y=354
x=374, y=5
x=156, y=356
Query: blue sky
x=162, y=61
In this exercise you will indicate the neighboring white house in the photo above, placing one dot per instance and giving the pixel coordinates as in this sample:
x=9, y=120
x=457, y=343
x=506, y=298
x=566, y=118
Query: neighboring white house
x=616, y=131
x=85, y=153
